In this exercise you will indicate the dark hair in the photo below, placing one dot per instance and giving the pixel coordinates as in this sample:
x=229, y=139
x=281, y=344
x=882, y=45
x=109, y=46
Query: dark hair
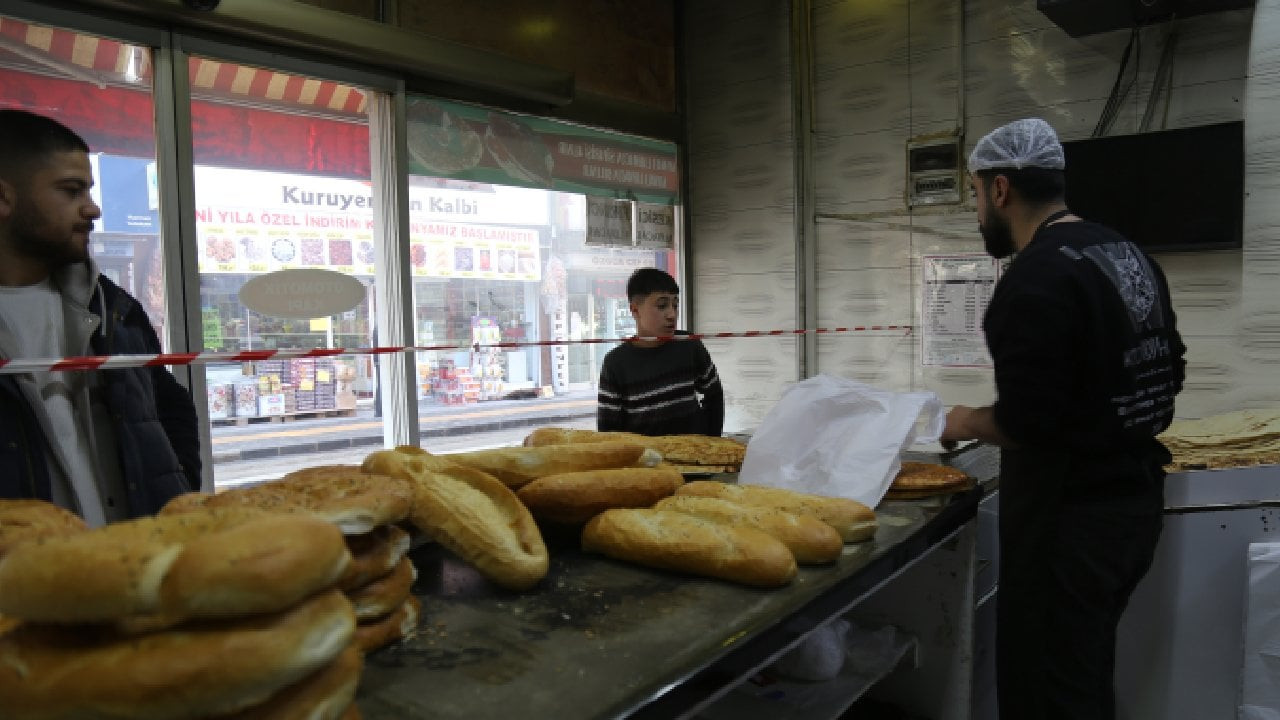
x=27, y=138
x=1036, y=186
x=646, y=281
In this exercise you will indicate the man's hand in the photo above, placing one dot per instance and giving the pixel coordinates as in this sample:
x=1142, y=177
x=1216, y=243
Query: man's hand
x=957, y=427
x=967, y=423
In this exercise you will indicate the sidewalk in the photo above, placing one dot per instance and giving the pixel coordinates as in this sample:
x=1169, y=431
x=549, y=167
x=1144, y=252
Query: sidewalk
x=311, y=435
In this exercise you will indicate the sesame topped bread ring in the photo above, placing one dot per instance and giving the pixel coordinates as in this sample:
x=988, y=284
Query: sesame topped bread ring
x=23, y=520
x=354, y=500
x=385, y=594
x=213, y=562
x=373, y=555
x=472, y=514
x=325, y=695
x=199, y=670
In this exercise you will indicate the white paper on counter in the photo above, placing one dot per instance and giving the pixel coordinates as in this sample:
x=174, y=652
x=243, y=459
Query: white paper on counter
x=833, y=436
x=1260, y=678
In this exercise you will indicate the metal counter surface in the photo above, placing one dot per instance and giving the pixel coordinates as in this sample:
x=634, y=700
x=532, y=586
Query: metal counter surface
x=600, y=638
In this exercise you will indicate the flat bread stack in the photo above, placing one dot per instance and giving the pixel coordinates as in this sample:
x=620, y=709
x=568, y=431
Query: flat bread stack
x=1235, y=439
x=367, y=508
x=746, y=534
x=691, y=454
x=211, y=613
x=918, y=480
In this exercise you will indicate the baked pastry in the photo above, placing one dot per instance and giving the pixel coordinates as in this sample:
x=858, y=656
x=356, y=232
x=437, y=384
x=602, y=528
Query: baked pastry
x=689, y=544
x=690, y=453
x=517, y=466
x=578, y=496
x=854, y=521
x=373, y=555
x=324, y=695
x=920, y=480
x=198, y=670
x=215, y=562
x=385, y=594
x=808, y=538
x=399, y=624
x=472, y=514
x=23, y=519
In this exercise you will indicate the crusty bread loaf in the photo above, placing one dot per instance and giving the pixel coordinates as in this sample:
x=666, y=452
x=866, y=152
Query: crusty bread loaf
x=373, y=555
x=686, y=543
x=854, y=521
x=50, y=672
x=517, y=466
x=577, y=497
x=472, y=514
x=811, y=540
x=345, y=495
x=380, y=632
x=23, y=520
x=324, y=695
x=385, y=594
x=209, y=563
x=695, y=451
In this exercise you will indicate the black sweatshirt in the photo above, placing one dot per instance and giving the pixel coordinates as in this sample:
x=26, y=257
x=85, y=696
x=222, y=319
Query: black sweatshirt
x=1087, y=354
x=654, y=391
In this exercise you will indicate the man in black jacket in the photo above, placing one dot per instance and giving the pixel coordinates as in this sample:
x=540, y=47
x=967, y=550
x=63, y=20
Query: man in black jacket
x=1088, y=361
x=109, y=444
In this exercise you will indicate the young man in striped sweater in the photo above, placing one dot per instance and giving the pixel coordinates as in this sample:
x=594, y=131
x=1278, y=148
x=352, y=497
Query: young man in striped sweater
x=657, y=387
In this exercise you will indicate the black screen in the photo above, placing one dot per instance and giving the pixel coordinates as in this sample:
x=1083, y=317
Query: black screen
x=1176, y=190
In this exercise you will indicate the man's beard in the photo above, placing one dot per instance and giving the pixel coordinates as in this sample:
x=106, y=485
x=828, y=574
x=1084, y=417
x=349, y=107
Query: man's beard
x=39, y=240
x=997, y=236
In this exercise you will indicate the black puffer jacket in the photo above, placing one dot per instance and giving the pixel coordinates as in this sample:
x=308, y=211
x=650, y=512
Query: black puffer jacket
x=152, y=415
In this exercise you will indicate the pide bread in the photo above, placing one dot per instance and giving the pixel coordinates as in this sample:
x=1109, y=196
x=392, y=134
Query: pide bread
x=696, y=452
x=203, y=669
x=577, y=497
x=385, y=594
x=380, y=632
x=373, y=555
x=23, y=520
x=811, y=540
x=689, y=544
x=472, y=514
x=918, y=476
x=354, y=500
x=854, y=521
x=517, y=466
x=324, y=695
x=214, y=562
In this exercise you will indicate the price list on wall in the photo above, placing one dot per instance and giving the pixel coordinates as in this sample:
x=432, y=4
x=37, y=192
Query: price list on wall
x=957, y=289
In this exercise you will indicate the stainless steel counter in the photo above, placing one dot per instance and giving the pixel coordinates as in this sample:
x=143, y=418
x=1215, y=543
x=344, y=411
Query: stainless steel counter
x=605, y=639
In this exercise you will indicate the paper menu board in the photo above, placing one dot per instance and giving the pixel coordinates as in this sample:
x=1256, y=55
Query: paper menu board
x=956, y=291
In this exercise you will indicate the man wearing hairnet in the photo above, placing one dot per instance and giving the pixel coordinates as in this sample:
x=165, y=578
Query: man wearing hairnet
x=1088, y=361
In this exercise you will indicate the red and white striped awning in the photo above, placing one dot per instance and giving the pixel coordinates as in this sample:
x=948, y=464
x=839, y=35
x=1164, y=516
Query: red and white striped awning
x=88, y=57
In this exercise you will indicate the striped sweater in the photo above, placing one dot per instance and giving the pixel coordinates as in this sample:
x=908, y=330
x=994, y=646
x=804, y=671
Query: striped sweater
x=655, y=391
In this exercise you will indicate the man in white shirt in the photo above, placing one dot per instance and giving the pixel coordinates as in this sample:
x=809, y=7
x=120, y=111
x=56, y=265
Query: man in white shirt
x=106, y=444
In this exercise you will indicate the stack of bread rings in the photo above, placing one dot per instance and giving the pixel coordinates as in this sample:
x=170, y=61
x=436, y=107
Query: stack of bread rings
x=367, y=508
x=224, y=612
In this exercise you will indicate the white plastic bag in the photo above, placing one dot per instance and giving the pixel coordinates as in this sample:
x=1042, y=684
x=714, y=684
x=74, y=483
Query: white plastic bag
x=838, y=437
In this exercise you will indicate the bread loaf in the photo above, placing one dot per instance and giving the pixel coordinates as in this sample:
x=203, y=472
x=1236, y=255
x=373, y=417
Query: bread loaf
x=696, y=451
x=517, y=466
x=24, y=520
x=354, y=500
x=811, y=540
x=204, y=669
x=685, y=543
x=373, y=555
x=385, y=594
x=579, y=496
x=208, y=563
x=472, y=514
x=854, y=521
x=324, y=695
x=380, y=632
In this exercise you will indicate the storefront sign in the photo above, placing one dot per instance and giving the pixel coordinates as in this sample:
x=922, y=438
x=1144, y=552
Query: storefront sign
x=258, y=222
x=474, y=143
x=609, y=222
x=957, y=290
x=655, y=226
x=619, y=261
x=131, y=201
x=303, y=293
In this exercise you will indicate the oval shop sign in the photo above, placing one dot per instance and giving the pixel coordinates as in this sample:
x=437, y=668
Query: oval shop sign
x=302, y=293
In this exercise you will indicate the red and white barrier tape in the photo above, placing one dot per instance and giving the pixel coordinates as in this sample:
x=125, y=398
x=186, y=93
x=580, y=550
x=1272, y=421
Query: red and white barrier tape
x=115, y=362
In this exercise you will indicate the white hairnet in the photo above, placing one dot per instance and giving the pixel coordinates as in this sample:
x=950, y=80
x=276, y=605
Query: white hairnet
x=1029, y=143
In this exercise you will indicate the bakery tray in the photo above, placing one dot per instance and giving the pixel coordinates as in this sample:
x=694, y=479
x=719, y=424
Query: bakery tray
x=605, y=639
